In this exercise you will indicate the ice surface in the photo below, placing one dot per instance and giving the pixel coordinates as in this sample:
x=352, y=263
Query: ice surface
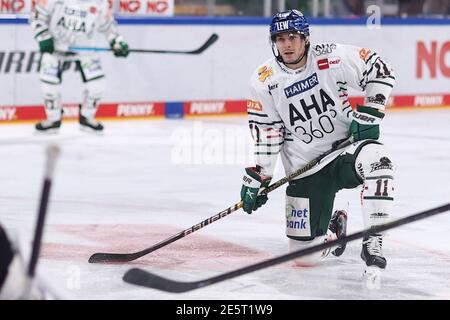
x=144, y=181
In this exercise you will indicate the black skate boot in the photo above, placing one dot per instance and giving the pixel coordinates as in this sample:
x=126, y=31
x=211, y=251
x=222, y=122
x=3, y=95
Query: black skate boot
x=371, y=251
x=91, y=125
x=338, y=225
x=48, y=126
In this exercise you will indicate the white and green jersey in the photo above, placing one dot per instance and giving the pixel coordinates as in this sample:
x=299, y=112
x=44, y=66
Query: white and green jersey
x=72, y=22
x=301, y=113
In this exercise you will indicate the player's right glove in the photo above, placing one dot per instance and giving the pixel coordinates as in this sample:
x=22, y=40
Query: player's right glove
x=253, y=182
x=365, y=124
x=119, y=46
x=47, y=45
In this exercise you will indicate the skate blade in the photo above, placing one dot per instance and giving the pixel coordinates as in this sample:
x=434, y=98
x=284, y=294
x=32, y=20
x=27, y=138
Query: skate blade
x=372, y=277
x=46, y=132
x=90, y=130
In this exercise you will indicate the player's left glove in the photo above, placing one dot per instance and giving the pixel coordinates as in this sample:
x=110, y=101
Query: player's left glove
x=365, y=124
x=47, y=45
x=119, y=46
x=253, y=182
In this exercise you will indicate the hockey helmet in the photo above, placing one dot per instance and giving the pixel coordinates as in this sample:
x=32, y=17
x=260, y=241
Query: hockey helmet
x=289, y=21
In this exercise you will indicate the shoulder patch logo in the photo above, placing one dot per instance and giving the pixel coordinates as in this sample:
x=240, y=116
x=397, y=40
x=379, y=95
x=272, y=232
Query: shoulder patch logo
x=364, y=53
x=329, y=63
x=384, y=163
x=264, y=73
x=273, y=86
x=322, y=49
x=323, y=64
x=334, y=62
x=378, y=99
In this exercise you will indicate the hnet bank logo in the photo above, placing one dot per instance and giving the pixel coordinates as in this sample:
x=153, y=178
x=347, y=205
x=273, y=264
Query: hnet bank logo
x=298, y=217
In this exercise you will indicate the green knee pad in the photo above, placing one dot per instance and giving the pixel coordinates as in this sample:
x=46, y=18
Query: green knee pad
x=309, y=202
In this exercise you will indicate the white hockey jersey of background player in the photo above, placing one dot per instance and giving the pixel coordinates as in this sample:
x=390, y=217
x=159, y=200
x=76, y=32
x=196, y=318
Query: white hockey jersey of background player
x=59, y=24
x=299, y=108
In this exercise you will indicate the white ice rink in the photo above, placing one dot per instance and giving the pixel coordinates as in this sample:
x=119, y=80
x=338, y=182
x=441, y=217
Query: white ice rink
x=144, y=181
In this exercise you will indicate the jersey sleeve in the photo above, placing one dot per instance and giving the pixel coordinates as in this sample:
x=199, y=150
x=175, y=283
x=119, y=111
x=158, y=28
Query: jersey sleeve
x=40, y=19
x=265, y=124
x=365, y=70
x=107, y=23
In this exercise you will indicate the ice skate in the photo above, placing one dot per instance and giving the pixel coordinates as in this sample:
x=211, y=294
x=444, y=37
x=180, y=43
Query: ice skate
x=48, y=126
x=90, y=125
x=372, y=255
x=338, y=225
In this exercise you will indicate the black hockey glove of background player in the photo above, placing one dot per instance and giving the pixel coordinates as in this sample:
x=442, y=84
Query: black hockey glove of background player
x=119, y=46
x=365, y=124
x=47, y=45
x=253, y=182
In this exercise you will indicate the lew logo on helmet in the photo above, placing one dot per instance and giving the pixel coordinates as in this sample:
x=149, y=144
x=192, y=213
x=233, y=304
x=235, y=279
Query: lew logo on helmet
x=283, y=25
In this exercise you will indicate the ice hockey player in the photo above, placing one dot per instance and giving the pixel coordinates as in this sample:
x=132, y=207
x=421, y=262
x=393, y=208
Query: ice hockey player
x=299, y=108
x=59, y=24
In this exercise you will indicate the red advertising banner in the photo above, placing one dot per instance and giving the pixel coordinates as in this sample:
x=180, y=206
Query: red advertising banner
x=123, y=7
x=432, y=59
x=149, y=110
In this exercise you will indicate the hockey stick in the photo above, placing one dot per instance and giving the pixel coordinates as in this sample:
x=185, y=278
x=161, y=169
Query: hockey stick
x=146, y=279
x=213, y=38
x=52, y=153
x=126, y=257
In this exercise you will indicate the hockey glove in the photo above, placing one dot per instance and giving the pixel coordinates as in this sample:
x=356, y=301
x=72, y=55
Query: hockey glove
x=47, y=46
x=253, y=182
x=120, y=47
x=365, y=124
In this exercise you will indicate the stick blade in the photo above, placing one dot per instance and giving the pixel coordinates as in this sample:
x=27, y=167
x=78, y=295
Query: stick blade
x=110, y=257
x=146, y=279
x=207, y=44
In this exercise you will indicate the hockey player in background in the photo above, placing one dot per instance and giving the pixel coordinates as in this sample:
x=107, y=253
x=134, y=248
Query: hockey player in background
x=59, y=24
x=299, y=108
